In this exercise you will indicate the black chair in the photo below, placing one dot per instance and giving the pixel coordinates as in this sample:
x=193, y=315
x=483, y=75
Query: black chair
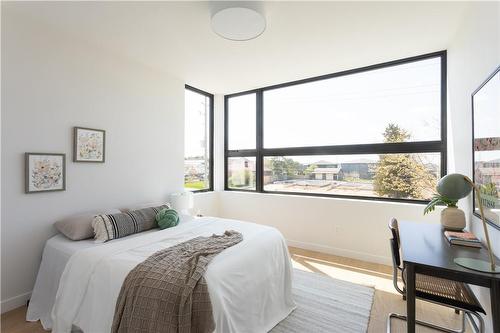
x=452, y=294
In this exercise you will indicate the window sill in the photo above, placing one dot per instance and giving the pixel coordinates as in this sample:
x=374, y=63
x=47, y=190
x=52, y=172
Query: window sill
x=332, y=197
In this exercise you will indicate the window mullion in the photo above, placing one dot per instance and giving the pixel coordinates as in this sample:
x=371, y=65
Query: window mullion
x=260, y=142
x=226, y=136
x=242, y=153
x=444, y=112
x=376, y=148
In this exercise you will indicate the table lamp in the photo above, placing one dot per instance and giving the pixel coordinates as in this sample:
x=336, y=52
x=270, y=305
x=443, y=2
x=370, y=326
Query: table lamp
x=182, y=201
x=456, y=186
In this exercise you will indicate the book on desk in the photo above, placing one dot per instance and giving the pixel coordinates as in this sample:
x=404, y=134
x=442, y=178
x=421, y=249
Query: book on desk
x=462, y=239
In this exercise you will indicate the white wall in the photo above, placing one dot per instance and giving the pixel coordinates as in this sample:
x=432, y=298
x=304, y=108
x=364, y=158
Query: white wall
x=206, y=203
x=50, y=83
x=351, y=228
x=472, y=56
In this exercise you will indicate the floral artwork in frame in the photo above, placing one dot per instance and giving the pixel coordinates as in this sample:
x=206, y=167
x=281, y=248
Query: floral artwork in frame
x=89, y=145
x=45, y=172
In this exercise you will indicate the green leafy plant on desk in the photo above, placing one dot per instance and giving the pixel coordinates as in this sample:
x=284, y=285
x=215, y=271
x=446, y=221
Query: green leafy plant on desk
x=439, y=199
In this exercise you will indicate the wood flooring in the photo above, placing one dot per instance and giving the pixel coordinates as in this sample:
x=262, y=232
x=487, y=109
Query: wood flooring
x=386, y=299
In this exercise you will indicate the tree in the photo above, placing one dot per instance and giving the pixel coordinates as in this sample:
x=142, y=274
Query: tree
x=310, y=169
x=285, y=168
x=393, y=133
x=401, y=175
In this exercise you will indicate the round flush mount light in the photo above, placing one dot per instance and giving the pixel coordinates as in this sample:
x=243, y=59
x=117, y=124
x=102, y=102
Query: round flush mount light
x=238, y=23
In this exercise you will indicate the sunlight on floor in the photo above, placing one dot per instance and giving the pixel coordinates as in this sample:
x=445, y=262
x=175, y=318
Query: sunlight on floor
x=386, y=298
x=346, y=272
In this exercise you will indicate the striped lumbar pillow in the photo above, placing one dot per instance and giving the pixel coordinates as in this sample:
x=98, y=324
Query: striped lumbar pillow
x=112, y=226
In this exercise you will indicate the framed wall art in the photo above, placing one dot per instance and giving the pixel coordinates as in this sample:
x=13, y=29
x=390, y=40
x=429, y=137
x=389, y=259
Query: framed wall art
x=89, y=145
x=45, y=172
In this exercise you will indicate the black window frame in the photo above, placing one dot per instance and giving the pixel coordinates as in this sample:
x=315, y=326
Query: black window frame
x=436, y=146
x=210, y=136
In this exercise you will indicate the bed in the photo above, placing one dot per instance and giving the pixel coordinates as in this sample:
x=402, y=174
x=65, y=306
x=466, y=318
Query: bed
x=249, y=284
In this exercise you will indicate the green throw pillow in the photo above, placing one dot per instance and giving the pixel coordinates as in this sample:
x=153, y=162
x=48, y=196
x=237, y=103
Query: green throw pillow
x=167, y=218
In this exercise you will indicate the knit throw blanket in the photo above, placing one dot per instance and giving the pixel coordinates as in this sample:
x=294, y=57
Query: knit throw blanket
x=167, y=292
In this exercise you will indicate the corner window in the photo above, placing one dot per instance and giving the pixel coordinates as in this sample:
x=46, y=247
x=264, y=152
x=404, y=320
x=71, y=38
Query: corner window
x=377, y=132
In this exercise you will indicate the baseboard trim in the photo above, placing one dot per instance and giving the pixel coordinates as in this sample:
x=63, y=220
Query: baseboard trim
x=14, y=302
x=340, y=252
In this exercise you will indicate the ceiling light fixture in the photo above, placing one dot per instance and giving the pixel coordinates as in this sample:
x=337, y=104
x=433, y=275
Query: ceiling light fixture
x=238, y=23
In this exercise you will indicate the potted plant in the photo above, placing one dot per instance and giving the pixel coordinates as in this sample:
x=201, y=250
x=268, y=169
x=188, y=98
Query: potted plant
x=452, y=218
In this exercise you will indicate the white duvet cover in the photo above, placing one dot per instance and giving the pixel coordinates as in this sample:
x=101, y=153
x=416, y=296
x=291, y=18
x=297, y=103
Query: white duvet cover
x=249, y=283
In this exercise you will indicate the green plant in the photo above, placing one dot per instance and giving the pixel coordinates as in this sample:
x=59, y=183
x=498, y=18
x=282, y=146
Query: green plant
x=439, y=199
x=401, y=175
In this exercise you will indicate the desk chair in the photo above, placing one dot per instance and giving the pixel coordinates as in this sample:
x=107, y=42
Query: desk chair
x=452, y=294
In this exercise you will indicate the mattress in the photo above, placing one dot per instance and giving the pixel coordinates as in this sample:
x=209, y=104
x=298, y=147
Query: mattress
x=249, y=284
x=56, y=254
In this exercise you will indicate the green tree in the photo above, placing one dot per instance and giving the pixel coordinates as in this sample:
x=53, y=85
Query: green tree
x=285, y=168
x=393, y=134
x=401, y=175
x=309, y=170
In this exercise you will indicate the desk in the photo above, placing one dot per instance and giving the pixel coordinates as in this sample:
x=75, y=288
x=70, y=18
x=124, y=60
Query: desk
x=425, y=250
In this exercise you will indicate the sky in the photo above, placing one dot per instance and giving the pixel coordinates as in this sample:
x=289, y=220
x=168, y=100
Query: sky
x=197, y=107
x=486, y=108
x=350, y=109
x=486, y=120
x=344, y=110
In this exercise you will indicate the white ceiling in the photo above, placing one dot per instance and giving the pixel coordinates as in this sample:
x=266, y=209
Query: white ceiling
x=302, y=39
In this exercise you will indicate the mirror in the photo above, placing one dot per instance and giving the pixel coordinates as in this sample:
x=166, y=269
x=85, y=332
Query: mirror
x=486, y=146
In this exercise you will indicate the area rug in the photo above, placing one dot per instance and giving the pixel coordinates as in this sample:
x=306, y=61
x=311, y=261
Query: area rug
x=328, y=305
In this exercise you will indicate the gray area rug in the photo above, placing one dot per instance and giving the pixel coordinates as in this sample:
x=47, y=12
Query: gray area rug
x=327, y=305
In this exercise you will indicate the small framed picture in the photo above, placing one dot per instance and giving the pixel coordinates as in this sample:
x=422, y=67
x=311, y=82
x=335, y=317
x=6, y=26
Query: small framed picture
x=89, y=145
x=45, y=172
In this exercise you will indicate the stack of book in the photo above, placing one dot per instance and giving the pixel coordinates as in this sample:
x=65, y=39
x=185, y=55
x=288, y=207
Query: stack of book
x=462, y=238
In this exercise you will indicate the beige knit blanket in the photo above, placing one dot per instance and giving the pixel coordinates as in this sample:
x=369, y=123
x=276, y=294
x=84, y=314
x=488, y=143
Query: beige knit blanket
x=167, y=292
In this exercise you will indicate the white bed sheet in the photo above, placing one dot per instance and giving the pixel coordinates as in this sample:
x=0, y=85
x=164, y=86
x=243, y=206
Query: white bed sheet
x=249, y=283
x=56, y=254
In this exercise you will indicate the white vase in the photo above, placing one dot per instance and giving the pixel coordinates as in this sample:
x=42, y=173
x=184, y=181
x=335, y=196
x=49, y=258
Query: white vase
x=453, y=218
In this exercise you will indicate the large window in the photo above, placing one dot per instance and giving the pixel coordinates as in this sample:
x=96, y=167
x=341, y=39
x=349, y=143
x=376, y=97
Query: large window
x=377, y=132
x=198, y=140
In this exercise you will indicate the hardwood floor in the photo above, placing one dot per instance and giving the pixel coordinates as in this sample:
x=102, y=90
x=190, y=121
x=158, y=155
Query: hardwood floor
x=386, y=299
x=15, y=322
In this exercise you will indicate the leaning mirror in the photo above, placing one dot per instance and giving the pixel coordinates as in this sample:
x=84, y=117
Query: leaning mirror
x=486, y=146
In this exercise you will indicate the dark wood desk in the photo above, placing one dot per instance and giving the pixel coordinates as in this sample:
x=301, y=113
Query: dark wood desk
x=425, y=250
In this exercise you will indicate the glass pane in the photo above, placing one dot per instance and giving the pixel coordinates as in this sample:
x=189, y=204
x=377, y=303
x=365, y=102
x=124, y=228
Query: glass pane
x=241, y=122
x=196, y=141
x=241, y=173
x=356, y=108
x=402, y=176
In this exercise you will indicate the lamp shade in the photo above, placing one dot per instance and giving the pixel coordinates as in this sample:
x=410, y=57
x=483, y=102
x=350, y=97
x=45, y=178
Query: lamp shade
x=182, y=200
x=454, y=186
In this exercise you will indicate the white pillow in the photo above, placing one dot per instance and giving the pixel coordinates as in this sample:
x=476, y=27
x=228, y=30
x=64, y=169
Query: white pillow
x=78, y=227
